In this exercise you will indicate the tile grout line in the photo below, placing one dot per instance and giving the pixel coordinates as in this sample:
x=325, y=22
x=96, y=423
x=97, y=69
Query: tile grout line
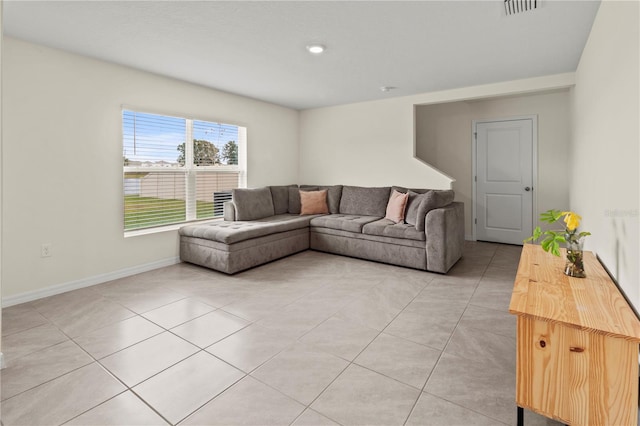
x=466, y=408
x=245, y=374
x=350, y=362
x=94, y=360
x=104, y=368
x=448, y=340
x=52, y=379
x=307, y=407
x=447, y=344
x=214, y=397
x=365, y=348
x=127, y=387
x=200, y=350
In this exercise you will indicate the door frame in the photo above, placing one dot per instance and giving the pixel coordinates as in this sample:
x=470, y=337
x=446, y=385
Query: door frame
x=474, y=161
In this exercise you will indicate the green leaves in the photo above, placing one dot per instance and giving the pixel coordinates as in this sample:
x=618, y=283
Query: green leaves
x=205, y=153
x=551, y=243
x=230, y=153
x=550, y=216
x=536, y=234
x=551, y=240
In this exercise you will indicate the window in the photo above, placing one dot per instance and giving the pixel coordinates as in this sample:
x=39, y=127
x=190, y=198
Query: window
x=178, y=169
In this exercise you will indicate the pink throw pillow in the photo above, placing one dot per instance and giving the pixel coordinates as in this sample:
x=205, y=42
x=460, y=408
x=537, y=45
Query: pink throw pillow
x=313, y=202
x=396, y=206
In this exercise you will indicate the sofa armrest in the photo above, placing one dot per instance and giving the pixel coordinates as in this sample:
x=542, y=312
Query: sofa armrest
x=229, y=209
x=444, y=229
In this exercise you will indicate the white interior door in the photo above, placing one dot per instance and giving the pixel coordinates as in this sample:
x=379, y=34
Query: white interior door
x=504, y=180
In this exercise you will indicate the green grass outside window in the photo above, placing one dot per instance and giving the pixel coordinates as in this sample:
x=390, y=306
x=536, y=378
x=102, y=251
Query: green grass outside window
x=147, y=212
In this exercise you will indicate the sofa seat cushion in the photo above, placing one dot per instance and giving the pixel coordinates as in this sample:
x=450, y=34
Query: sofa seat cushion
x=233, y=232
x=366, y=237
x=344, y=222
x=387, y=228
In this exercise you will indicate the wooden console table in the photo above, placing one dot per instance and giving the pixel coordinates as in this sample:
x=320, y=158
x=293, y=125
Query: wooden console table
x=577, y=343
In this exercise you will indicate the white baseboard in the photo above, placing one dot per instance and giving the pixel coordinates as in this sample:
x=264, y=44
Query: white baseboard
x=86, y=282
x=469, y=238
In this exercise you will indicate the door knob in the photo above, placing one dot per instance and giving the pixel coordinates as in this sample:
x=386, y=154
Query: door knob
x=526, y=188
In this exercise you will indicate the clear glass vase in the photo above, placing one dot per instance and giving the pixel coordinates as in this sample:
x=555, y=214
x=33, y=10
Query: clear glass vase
x=575, y=264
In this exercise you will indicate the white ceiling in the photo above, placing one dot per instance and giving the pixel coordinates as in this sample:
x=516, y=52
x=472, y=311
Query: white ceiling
x=257, y=49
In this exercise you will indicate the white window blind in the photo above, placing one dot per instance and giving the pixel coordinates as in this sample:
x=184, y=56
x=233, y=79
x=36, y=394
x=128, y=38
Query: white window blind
x=178, y=169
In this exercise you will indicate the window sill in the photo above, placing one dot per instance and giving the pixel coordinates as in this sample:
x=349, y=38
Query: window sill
x=166, y=228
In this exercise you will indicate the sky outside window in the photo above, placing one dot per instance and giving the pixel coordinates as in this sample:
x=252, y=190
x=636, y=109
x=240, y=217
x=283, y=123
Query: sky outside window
x=152, y=138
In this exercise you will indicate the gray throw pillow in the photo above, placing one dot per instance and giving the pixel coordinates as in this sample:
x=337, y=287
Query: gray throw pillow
x=413, y=204
x=420, y=204
x=438, y=198
x=252, y=204
x=404, y=190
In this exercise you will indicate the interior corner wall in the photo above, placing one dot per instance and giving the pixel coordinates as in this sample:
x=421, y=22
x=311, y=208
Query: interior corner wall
x=605, y=142
x=373, y=143
x=443, y=139
x=62, y=163
x=368, y=144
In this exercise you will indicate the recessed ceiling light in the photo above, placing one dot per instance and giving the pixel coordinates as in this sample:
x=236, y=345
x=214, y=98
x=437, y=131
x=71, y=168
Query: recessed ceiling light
x=387, y=88
x=316, y=49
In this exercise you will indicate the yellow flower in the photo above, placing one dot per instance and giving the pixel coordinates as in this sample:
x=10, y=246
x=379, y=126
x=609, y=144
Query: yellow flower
x=572, y=220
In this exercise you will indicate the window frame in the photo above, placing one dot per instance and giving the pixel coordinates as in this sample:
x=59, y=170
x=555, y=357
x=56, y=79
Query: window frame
x=189, y=169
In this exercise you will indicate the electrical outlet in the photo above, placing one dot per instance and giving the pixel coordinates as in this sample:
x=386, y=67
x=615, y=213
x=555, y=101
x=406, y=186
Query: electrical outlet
x=46, y=250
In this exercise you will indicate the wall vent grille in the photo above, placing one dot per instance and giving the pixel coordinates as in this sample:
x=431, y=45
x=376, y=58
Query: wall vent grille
x=512, y=7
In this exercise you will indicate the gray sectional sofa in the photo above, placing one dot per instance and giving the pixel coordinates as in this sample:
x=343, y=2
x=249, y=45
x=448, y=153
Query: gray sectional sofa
x=265, y=224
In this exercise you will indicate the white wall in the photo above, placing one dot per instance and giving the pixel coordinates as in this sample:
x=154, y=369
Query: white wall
x=363, y=144
x=605, y=179
x=372, y=143
x=62, y=163
x=443, y=139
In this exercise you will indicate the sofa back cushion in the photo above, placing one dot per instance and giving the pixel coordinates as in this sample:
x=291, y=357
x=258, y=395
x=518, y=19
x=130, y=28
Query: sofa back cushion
x=252, y=204
x=437, y=198
x=364, y=201
x=413, y=204
x=280, y=196
x=404, y=190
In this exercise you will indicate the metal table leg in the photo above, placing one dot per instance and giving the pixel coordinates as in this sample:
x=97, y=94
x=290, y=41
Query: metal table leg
x=520, y=416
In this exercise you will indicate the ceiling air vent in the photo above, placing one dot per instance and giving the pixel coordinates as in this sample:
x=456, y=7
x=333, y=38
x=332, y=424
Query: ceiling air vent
x=512, y=7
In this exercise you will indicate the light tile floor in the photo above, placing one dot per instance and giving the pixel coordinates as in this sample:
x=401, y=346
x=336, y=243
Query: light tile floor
x=313, y=339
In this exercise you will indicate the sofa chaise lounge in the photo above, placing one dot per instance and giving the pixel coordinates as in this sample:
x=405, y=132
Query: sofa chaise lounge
x=264, y=224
